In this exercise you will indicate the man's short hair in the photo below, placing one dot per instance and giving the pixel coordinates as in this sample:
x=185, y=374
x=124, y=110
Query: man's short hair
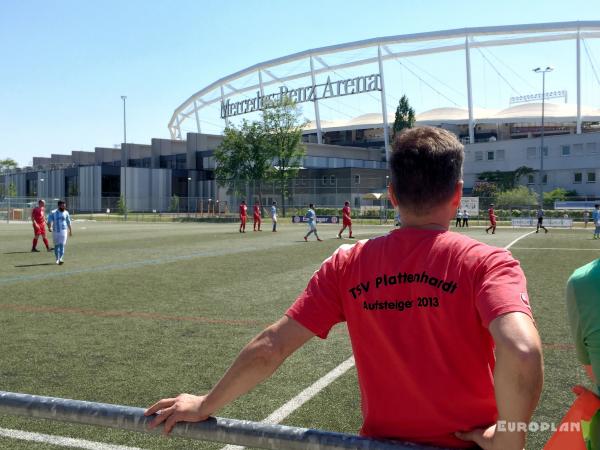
x=310, y=205
x=426, y=163
x=61, y=202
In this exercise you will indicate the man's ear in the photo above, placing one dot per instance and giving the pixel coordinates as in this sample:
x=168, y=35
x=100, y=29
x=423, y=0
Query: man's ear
x=392, y=196
x=458, y=190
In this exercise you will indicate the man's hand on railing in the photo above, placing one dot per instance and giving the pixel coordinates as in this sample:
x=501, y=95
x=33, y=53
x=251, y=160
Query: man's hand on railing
x=183, y=408
x=489, y=439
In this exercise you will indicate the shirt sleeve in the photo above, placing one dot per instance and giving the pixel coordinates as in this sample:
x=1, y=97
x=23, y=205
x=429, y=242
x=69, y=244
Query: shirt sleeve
x=575, y=324
x=50, y=218
x=319, y=306
x=501, y=288
x=68, y=219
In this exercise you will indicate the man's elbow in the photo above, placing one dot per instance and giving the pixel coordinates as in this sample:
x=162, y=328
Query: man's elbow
x=266, y=349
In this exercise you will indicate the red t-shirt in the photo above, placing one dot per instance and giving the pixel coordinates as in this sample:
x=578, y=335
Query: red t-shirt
x=491, y=214
x=243, y=209
x=38, y=215
x=417, y=305
x=346, y=214
x=256, y=211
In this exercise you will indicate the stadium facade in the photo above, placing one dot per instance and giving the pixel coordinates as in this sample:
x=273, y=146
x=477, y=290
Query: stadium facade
x=351, y=153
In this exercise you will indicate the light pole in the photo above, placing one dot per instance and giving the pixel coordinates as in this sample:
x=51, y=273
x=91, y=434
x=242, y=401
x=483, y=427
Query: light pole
x=124, y=98
x=189, y=191
x=543, y=72
x=41, y=189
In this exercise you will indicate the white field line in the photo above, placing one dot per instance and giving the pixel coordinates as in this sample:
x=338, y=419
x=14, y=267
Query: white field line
x=60, y=440
x=292, y=405
x=280, y=414
x=518, y=239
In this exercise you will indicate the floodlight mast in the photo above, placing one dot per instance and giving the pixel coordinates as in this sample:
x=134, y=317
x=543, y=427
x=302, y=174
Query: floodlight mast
x=124, y=98
x=543, y=72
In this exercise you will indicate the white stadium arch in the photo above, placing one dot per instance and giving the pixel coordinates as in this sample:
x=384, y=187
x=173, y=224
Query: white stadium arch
x=319, y=61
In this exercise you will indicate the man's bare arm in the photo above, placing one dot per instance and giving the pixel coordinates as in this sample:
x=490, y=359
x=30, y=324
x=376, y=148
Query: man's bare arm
x=518, y=380
x=255, y=363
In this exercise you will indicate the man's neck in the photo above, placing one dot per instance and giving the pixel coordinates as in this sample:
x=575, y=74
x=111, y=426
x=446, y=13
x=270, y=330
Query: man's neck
x=429, y=222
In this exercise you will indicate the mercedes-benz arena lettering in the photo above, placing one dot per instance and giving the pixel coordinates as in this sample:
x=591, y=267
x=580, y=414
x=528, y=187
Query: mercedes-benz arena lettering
x=329, y=89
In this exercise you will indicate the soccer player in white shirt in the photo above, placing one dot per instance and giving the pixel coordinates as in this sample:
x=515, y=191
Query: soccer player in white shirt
x=59, y=221
x=274, y=215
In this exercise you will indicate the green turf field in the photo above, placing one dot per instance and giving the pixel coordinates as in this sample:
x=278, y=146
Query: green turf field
x=144, y=311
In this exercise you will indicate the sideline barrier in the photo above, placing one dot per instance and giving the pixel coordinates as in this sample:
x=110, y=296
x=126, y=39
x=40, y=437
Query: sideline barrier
x=216, y=429
x=552, y=222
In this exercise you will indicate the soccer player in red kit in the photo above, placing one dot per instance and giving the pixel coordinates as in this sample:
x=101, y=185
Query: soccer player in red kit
x=346, y=220
x=446, y=350
x=257, y=219
x=38, y=219
x=492, y=217
x=243, y=216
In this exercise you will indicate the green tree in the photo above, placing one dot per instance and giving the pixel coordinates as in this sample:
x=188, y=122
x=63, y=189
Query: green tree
x=122, y=205
x=557, y=195
x=405, y=116
x=8, y=163
x=283, y=126
x=174, y=206
x=244, y=157
x=519, y=196
x=11, y=190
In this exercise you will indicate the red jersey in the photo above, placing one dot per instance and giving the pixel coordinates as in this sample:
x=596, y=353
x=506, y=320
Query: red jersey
x=418, y=304
x=243, y=209
x=491, y=213
x=38, y=214
x=256, y=210
x=346, y=213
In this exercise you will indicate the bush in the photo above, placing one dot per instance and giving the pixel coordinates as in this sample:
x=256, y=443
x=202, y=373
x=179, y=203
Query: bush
x=519, y=196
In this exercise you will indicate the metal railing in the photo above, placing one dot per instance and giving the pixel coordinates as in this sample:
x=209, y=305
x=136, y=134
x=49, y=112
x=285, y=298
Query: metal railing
x=215, y=429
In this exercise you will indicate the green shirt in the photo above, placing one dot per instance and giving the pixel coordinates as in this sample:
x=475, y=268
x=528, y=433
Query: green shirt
x=583, y=306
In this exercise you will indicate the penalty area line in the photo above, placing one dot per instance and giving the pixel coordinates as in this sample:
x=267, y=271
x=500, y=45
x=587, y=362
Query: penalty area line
x=61, y=441
x=284, y=411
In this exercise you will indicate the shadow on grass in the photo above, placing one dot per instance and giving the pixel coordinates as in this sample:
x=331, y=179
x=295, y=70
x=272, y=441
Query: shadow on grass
x=16, y=253
x=35, y=265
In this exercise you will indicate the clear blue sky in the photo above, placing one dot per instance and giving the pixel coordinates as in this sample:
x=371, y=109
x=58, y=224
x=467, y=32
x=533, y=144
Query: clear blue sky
x=65, y=63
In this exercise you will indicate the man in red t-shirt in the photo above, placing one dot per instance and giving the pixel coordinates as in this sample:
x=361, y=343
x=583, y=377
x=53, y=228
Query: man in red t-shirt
x=441, y=329
x=492, y=217
x=257, y=219
x=243, y=216
x=346, y=220
x=38, y=220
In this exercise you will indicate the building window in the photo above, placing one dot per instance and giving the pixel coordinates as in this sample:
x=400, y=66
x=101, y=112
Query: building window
x=565, y=150
x=332, y=180
x=324, y=180
x=531, y=152
x=545, y=151
x=591, y=148
x=478, y=156
x=577, y=177
x=591, y=177
x=500, y=155
x=490, y=156
x=530, y=179
x=545, y=179
x=356, y=179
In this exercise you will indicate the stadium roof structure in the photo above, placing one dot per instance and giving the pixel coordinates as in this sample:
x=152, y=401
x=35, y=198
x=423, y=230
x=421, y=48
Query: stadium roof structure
x=525, y=113
x=253, y=80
